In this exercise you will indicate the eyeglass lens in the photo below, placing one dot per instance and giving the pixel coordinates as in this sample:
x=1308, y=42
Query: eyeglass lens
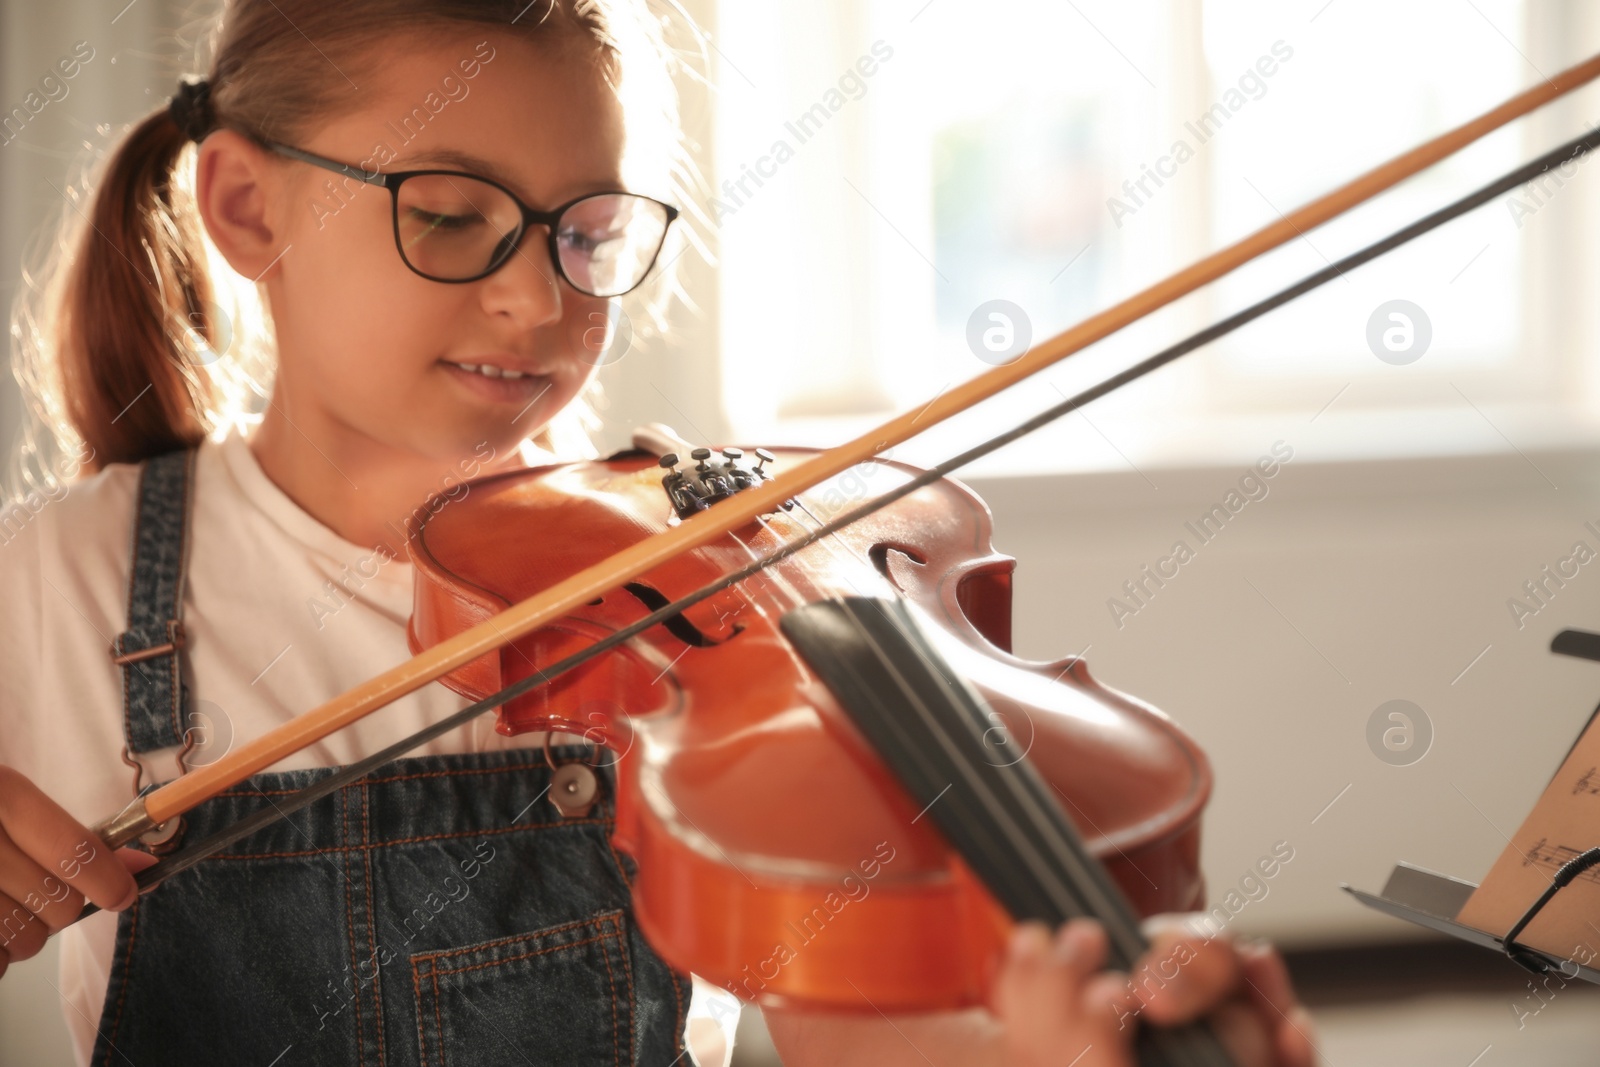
x=453, y=227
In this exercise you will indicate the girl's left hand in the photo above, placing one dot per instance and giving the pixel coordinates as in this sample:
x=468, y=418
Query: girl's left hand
x=1056, y=1003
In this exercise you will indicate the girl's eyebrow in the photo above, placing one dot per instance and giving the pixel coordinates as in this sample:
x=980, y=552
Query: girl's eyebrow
x=477, y=165
x=463, y=160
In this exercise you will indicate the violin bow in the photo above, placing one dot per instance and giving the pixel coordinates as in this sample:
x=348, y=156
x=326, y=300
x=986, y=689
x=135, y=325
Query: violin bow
x=156, y=808
x=193, y=853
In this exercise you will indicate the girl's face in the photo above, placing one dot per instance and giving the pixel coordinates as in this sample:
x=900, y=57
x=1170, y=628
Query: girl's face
x=372, y=354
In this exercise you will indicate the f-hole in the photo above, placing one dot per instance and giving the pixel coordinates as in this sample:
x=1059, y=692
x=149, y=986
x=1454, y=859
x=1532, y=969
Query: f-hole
x=879, y=555
x=676, y=625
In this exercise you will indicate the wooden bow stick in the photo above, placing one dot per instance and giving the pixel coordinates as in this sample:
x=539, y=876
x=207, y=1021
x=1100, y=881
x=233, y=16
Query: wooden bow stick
x=176, y=797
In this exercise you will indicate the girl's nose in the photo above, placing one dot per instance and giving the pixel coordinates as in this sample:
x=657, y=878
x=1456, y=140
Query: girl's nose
x=527, y=288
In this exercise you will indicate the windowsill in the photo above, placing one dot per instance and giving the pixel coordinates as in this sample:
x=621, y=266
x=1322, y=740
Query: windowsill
x=1134, y=463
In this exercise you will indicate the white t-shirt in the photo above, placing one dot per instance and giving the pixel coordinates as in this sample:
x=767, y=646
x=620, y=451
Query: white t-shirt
x=268, y=638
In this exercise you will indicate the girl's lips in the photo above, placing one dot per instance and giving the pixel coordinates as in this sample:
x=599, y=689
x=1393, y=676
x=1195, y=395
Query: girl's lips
x=499, y=390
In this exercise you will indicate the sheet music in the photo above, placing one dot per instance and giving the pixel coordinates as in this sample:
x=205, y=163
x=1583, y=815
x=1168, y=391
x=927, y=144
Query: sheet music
x=1564, y=823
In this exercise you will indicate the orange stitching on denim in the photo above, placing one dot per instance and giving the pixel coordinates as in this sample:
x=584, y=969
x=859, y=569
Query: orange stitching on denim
x=672, y=976
x=679, y=1042
x=532, y=935
x=176, y=681
x=416, y=997
x=138, y=525
x=433, y=958
x=526, y=955
x=437, y=1021
x=679, y=1021
x=611, y=980
x=399, y=841
x=350, y=933
x=627, y=965
x=127, y=962
x=372, y=908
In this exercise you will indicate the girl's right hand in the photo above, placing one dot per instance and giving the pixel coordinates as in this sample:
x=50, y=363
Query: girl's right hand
x=49, y=863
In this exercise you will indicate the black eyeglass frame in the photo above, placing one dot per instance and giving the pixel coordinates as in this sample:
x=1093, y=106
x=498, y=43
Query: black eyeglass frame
x=530, y=217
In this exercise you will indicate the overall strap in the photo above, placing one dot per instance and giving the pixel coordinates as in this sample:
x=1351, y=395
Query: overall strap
x=148, y=652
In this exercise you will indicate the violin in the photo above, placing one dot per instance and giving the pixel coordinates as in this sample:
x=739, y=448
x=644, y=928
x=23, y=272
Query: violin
x=777, y=855
x=834, y=778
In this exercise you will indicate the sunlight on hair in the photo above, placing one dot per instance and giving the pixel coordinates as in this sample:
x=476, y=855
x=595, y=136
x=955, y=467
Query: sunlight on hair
x=48, y=452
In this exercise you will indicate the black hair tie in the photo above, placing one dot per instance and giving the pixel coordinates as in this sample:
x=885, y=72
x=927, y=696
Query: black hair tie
x=191, y=109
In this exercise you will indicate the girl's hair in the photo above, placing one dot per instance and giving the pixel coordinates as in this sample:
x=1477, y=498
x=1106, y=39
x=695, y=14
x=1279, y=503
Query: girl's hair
x=136, y=338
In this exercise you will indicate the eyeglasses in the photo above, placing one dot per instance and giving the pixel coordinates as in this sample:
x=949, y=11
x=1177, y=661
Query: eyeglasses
x=455, y=227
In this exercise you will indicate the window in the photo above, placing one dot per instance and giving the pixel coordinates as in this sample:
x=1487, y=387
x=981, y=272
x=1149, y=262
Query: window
x=885, y=168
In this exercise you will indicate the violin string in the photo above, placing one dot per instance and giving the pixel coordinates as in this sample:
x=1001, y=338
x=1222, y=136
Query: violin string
x=832, y=541
x=957, y=751
x=1572, y=149
x=1046, y=876
x=1059, y=865
x=1082, y=892
x=780, y=579
x=1027, y=853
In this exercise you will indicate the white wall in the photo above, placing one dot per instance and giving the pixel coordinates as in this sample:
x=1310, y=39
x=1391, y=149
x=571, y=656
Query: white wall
x=1390, y=578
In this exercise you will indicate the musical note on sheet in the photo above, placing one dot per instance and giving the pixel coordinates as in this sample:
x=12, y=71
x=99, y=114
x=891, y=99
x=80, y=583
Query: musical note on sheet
x=1563, y=824
x=1556, y=857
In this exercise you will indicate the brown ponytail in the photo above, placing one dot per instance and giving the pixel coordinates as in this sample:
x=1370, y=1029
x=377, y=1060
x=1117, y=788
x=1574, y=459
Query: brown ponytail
x=136, y=293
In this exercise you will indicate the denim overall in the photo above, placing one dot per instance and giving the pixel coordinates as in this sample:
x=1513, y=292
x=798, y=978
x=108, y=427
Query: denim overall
x=439, y=911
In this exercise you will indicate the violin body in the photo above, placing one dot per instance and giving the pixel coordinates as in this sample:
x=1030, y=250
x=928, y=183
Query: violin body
x=775, y=853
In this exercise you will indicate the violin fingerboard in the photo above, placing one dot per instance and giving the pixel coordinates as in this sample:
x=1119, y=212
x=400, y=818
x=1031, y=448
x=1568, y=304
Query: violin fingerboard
x=969, y=776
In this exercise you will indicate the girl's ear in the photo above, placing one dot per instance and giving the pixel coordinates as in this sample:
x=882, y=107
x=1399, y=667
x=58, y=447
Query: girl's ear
x=237, y=189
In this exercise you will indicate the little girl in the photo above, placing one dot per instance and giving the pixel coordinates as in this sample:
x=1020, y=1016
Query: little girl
x=436, y=203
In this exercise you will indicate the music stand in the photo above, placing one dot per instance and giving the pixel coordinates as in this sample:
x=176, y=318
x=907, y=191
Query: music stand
x=1433, y=900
